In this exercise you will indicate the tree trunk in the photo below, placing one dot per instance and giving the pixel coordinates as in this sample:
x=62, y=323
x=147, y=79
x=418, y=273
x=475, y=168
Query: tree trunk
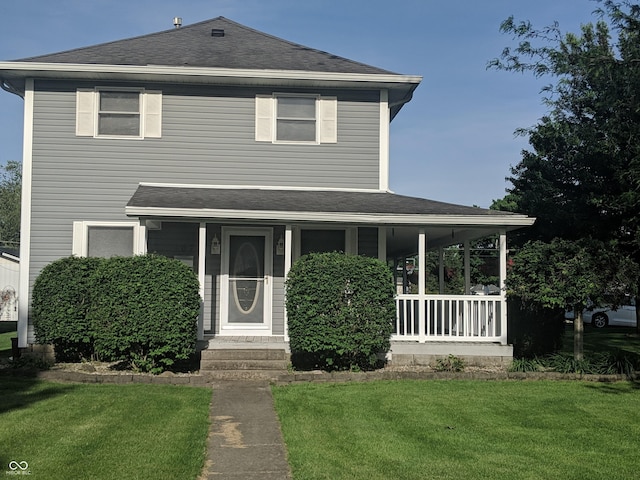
x=637, y=315
x=578, y=331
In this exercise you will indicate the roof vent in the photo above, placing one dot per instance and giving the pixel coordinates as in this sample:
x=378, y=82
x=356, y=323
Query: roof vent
x=177, y=22
x=217, y=32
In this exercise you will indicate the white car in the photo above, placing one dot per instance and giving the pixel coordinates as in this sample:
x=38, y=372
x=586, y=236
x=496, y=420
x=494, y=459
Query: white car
x=624, y=316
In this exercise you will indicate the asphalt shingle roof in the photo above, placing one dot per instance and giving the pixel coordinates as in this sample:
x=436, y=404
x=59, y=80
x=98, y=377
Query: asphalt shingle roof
x=194, y=45
x=325, y=201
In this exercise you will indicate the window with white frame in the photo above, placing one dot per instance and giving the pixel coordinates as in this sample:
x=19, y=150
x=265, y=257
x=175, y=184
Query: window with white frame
x=105, y=239
x=118, y=112
x=287, y=118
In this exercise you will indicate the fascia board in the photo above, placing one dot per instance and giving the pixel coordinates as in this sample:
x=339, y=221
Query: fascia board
x=333, y=217
x=202, y=75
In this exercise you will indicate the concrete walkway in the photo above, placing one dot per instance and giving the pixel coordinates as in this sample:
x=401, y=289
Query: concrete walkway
x=245, y=441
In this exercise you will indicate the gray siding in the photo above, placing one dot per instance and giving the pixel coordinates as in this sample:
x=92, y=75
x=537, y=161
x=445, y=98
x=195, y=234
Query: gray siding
x=208, y=138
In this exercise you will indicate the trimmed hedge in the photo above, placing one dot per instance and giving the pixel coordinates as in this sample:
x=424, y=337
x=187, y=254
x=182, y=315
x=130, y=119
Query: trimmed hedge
x=340, y=311
x=60, y=302
x=146, y=312
x=142, y=310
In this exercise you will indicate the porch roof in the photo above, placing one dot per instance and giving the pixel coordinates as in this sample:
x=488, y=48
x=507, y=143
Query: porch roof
x=306, y=205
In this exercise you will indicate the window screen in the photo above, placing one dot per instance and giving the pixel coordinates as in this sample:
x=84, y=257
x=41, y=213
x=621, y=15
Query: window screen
x=110, y=241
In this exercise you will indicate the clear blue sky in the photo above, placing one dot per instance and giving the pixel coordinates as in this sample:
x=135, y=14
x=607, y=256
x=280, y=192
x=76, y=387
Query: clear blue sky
x=453, y=142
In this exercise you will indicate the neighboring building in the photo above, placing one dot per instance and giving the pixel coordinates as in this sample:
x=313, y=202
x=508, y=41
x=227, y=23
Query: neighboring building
x=9, y=281
x=235, y=152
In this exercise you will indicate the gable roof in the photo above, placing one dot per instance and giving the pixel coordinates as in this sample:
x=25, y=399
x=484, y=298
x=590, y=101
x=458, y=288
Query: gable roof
x=195, y=46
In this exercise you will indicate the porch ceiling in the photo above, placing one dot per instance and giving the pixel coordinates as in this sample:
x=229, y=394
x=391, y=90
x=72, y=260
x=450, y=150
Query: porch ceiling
x=363, y=207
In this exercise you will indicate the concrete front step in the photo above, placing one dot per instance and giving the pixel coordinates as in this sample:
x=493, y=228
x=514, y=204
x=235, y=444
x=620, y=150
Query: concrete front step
x=244, y=354
x=244, y=360
x=214, y=364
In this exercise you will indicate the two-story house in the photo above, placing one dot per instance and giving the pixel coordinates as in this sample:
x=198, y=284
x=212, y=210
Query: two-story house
x=236, y=152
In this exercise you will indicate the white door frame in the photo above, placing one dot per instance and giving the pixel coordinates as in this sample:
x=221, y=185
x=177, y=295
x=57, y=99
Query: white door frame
x=240, y=329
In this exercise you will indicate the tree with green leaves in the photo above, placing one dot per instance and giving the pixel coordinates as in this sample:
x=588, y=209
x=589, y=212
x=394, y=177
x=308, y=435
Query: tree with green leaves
x=582, y=177
x=10, y=187
x=570, y=274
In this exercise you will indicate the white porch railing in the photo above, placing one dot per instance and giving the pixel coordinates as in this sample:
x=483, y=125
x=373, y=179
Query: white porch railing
x=450, y=318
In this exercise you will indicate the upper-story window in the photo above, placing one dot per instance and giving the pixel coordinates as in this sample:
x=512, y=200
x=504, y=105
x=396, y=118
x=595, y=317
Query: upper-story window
x=118, y=113
x=296, y=119
x=288, y=118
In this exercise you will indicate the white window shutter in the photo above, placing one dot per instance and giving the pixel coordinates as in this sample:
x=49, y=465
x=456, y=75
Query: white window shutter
x=264, y=118
x=85, y=112
x=328, y=120
x=152, y=114
x=77, y=249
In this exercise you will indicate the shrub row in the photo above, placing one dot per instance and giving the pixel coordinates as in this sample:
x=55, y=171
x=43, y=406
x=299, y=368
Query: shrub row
x=142, y=310
x=340, y=311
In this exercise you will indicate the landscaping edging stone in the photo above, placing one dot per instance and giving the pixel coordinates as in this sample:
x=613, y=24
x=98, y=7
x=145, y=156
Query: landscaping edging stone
x=195, y=379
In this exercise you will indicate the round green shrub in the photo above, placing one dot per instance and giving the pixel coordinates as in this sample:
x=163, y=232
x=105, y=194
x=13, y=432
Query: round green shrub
x=340, y=311
x=60, y=303
x=146, y=312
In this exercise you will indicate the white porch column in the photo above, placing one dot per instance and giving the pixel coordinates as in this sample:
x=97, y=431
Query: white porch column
x=503, y=287
x=288, y=252
x=202, y=257
x=143, y=238
x=467, y=268
x=441, y=269
x=422, y=286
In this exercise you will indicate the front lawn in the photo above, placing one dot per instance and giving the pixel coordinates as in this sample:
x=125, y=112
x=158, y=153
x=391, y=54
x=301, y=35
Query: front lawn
x=7, y=331
x=604, y=339
x=66, y=431
x=461, y=430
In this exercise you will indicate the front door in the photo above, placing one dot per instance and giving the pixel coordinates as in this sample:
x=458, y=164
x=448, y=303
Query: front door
x=246, y=281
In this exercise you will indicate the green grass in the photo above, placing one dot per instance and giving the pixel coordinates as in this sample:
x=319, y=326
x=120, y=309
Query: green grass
x=8, y=330
x=461, y=430
x=66, y=431
x=604, y=339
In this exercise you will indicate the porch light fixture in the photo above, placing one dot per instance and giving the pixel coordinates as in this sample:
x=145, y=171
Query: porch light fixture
x=215, y=245
x=280, y=246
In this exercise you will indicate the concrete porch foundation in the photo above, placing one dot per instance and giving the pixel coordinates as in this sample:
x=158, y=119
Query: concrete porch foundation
x=476, y=354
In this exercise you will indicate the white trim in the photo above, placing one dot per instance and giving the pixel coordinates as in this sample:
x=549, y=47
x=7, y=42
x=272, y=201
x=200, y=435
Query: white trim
x=202, y=257
x=88, y=112
x=422, y=285
x=327, y=119
x=264, y=112
x=384, y=140
x=288, y=257
x=278, y=95
x=244, y=329
x=335, y=217
x=165, y=73
x=25, y=220
x=81, y=235
x=151, y=124
x=467, y=267
x=266, y=118
x=503, y=287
